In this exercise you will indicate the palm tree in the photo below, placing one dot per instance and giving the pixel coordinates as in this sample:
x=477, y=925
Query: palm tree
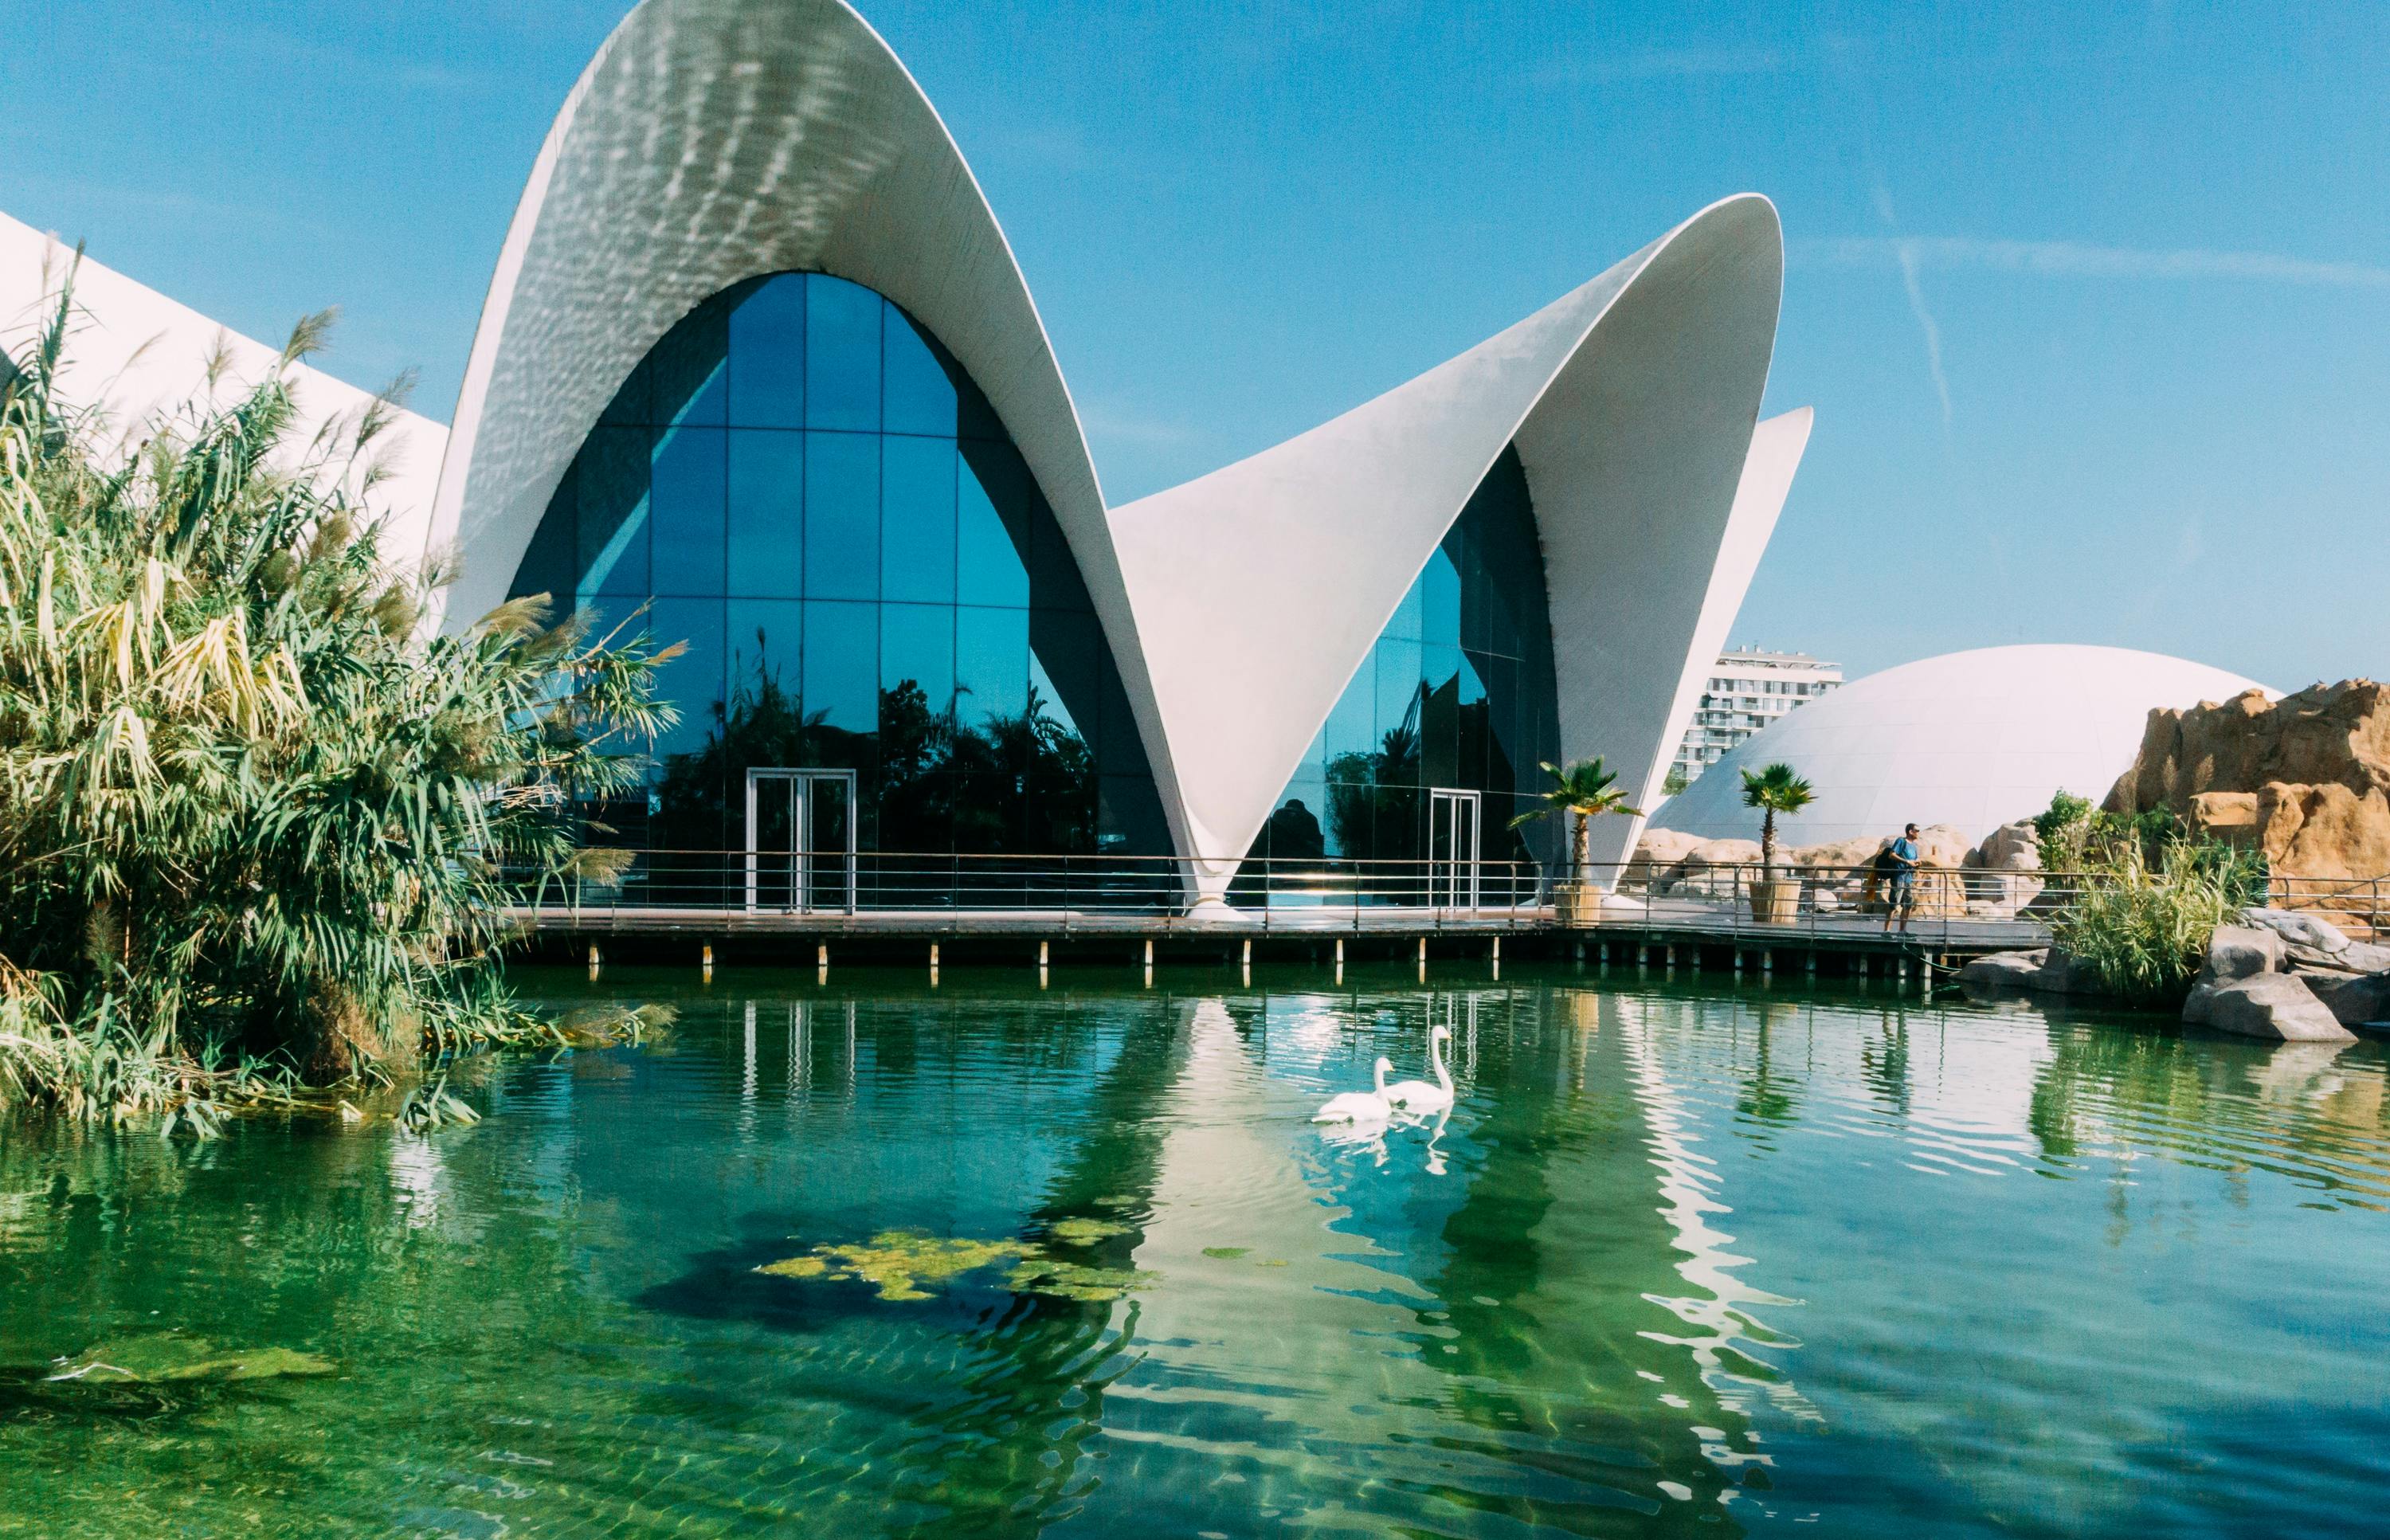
x=1583, y=791
x=1773, y=789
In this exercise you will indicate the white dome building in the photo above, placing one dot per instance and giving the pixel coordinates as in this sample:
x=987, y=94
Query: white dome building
x=1970, y=739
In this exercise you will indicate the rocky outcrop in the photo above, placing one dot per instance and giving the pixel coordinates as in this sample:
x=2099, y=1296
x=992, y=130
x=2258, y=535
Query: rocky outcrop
x=2305, y=780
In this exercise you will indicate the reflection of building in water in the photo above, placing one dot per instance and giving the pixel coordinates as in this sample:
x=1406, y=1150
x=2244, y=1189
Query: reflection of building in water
x=1734, y=1350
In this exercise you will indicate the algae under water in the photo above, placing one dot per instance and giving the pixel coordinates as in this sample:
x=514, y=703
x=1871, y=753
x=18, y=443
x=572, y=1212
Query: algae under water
x=871, y=1259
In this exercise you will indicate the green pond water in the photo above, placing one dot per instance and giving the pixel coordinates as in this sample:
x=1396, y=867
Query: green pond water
x=1703, y=1260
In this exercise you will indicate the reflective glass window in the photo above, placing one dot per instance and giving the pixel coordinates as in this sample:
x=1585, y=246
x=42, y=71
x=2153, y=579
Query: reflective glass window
x=686, y=499
x=842, y=516
x=767, y=513
x=992, y=496
x=842, y=666
x=1457, y=693
x=610, y=490
x=917, y=519
x=767, y=355
x=991, y=662
x=692, y=681
x=842, y=331
x=685, y=374
x=919, y=396
x=884, y=588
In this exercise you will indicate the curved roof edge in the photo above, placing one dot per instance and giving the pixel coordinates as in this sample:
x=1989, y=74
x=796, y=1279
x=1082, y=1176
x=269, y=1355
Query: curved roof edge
x=710, y=141
x=1262, y=587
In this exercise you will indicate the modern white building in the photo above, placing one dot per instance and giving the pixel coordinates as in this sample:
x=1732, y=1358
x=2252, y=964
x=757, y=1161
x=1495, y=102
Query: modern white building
x=1751, y=691
x=1970, y=739
x=758, y=363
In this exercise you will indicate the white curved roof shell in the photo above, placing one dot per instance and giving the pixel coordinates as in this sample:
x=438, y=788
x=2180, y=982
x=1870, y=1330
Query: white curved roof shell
x=1972, y=739
x=711, y=141
x=1260, y=587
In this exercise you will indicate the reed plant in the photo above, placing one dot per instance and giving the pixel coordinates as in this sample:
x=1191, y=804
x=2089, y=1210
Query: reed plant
x=256, y=818
x=2139, y=927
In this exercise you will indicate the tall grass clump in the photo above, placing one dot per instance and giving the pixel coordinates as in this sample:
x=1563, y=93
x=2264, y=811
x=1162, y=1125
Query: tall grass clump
x=2140, y=927
x=252, y=816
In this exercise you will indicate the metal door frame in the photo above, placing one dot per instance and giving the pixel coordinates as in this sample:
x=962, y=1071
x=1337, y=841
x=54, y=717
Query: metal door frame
x=802, y=784
x=1445, y=888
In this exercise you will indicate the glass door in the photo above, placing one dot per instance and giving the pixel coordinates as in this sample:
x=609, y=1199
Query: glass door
x=1452, y=818
x=801, y=840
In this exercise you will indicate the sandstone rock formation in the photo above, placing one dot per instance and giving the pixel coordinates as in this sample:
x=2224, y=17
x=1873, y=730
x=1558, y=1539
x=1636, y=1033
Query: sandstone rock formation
x=2306, y=779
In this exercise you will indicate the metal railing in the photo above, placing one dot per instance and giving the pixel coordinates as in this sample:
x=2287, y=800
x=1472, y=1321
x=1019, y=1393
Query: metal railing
x=1973, y=907
x=1795, y=904
x=893, y=886
x=2359, y=905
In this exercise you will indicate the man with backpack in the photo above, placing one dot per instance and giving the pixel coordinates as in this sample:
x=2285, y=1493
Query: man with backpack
x=1898, y=863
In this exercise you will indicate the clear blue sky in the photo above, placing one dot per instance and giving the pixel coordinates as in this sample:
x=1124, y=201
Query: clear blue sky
x=2093, y=300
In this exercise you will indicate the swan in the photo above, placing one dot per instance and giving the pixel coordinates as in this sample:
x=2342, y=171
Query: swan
x=1360, y=1106
x=1418, y=1096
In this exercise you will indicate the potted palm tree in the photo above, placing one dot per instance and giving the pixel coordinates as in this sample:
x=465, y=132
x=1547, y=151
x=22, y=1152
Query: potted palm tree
x=1774, y=790
x=1581, y=792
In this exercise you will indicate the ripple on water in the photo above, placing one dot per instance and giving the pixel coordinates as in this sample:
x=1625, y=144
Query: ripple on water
x=1759, y=1258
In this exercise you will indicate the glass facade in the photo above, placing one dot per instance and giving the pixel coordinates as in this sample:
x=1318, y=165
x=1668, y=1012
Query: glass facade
x=1456, y=693
x=803, y=486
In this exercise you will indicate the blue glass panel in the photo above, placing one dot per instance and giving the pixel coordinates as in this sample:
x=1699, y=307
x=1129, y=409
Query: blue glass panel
x=767, y=355
x=842, y=515
x=684, y=372
x=1048, y=701
x=1068, y=649
x=1440, y=718
x=768, y=524
x=1352, y=727
x=990, y=525
x=765, y=648
x=1297, y=830
x=692, y=681
x=1405, y=623
x=773, y=549
x=992, y=661
x=610, y=487
x=1396, y=712
x=1440, y=600
x=842, y=354
x=687, y=502
x=916, y=646
x=916, y=500
x=920, y=393
x=842, y=666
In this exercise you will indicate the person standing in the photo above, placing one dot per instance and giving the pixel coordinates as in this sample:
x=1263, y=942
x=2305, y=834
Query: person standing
x=1902, y=878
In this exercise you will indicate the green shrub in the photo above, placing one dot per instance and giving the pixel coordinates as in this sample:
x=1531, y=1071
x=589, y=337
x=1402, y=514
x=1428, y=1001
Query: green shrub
x=253, y=820
x=2140, y=929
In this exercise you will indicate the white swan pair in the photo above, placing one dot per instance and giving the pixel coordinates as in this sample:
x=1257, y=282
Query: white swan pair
x=1383, y=1100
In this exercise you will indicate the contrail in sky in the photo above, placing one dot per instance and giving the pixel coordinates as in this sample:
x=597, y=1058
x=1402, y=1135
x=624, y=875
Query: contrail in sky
x=2075, y=259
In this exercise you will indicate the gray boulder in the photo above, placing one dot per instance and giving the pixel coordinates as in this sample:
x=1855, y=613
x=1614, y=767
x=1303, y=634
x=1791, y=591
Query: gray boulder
x=2057, y=975
x=2240, y=952
x=2004, y=970
x=2276, y=1007
x=2301, y=929
x=2354, y=999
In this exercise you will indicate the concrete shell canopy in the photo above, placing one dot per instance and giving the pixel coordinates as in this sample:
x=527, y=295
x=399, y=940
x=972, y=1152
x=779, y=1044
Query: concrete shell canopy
x=1970, y=739
x=1632, y=401
x=710, y=141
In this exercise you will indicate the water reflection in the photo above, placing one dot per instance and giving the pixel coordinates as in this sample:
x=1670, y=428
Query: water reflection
x=1672, y=1259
